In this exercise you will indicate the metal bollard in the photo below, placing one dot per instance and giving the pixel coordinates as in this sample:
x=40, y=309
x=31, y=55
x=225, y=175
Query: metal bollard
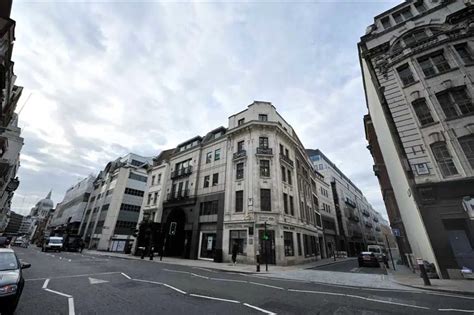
x=258, y=262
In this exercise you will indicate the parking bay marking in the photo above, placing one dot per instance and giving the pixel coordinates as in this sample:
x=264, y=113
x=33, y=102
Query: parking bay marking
x=70, y=299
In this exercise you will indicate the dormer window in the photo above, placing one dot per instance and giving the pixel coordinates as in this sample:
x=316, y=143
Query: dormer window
x=403, y=15
x=414, y=38
x=420, y=6
x=241, y=122
x=263, y=117
x=386, y=22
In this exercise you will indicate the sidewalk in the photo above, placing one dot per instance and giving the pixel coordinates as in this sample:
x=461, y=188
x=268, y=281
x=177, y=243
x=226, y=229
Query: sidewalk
x=404, y=276
x=225, y=266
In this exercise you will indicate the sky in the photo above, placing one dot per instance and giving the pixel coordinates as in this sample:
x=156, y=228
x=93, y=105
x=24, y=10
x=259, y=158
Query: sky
x=104, y=78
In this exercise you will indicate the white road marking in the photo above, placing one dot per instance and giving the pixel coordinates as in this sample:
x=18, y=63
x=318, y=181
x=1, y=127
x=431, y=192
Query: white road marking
x=148, y=281
x=266, y=285
x=176, y=271
x=355, y=269
x=229, y=280
x=58, y=293
x=69, y=260
x=75, y=276
x=96, y=281
x=176, y=289
x=45, y=284
x=454, y=310
x=70, y=303
x=128, y=277
x=214, y=298
x=199, y=276
x=259, y=309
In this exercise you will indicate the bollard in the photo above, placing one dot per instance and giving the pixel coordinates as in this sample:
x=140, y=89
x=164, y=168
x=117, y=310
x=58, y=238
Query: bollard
x=423, y=274
x=258, y=262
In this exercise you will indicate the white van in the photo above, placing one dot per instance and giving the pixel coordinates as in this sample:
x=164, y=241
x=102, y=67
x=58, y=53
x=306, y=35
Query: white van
x=52, y=243
x=378, y=251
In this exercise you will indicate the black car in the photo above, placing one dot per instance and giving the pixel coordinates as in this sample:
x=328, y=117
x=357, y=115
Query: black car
x=368, y=259
x=11, y=280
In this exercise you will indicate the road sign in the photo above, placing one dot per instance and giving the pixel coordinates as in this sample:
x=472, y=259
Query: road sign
x=396, y=232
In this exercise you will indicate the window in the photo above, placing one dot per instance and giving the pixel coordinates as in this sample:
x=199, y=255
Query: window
x=239, y=174
x=298, y=240
x=137, y=177
x=130, y=208
x=292, y=206
x=215, y=179
x=287, y=153
x=240, y=122
x=136, y=163
x=240, y=146
x=155, y=198
x=209, y=207
x=467, y=145
x=263, y=142
x=422, y=111
x=159, y=179
x=414, y=38
x=134, y=192
x=405, y=74
x=455, y=102
x=444, y=159
x=434, y=64
x=289, y=177
x=386, y=22
x=420, y=7
x=207, y=179
x=263, y=117
x=318, y=220
x=281, y=149
x=288, y=243
x=402, y=15
x=465, y=53
x=149, y=199
x=238, y=237
x=208, y=157
x=285, y=203
x=265, y=200
x=239, y=201
x=265, y=168
x=283, y=173
x=217, y=155
x=109, y=192
x=153, y=180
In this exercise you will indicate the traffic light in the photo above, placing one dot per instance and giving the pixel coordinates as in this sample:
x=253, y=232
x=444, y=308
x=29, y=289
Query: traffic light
x=265, y=237
x=173, y=228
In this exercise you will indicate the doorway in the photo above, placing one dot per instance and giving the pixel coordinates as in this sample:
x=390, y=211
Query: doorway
x=267, y=247
x=175, y=244
x=207, y=245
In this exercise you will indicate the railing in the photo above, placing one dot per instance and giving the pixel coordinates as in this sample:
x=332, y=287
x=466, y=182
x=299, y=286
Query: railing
x=264, y=151
x=350, y=202
x=287, y=159
x=178, y=195
x=182, y=172
x=240, y=154
x=354, y=218
x=366, y=213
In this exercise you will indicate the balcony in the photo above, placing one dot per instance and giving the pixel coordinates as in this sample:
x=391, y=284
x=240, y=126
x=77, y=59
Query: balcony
x=350, y=202
x=180, y=197
x=264, y=151
x=240, y=155
x=182, y=172
x=287, y=160
x=368, y=225
x=366, y=213
x=354, y=218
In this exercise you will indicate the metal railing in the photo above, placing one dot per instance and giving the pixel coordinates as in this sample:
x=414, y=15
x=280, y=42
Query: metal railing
x=181, y=172
x=178, y=195
x=286, y=159
x=240, y=154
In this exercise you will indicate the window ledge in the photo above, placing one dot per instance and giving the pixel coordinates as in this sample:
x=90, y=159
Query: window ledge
x=239, y=179
x=441, y=73
x=459, y=117
x=410, y=84
x=430, y=124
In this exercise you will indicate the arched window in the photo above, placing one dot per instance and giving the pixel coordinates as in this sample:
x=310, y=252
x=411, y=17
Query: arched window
x=444, y=158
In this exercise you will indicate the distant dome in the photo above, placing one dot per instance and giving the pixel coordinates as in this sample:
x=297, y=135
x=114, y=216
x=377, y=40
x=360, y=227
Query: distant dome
x=46, y=203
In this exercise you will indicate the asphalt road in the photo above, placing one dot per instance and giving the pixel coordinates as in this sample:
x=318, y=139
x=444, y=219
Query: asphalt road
x=352, y=266
x=71, y=283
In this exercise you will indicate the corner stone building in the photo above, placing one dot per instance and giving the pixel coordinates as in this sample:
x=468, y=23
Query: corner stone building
x=417, y=63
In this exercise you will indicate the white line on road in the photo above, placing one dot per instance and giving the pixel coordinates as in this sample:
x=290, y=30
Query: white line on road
x=75, y=276
x=199, y=276
x=176, y=289
x=176, y=271
x=259, y=309
x=266, y=285
x=454, y=310
x=355, y=269
x=148, y=281
x=58, y=293
x=128, y=277
x=214, y=298
x=45, y=284
x=70, y=303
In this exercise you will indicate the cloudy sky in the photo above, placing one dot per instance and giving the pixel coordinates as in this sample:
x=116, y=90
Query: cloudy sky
x=106, y=78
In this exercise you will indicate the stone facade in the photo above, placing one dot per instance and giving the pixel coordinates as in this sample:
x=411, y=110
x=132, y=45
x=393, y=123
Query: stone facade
x=417, y=62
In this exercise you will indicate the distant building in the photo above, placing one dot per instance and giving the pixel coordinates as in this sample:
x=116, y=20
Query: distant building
x=69, y=212
x=40, y=215
x=417, y=65
x=358, y=223
x=14, y=224
x=26, y=226
x=10, y=140
x=113, y=209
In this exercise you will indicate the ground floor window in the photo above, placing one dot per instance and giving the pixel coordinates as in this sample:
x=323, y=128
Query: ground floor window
x=288, y=242
x=298, y=239
x=310, y=246
x=238, y=237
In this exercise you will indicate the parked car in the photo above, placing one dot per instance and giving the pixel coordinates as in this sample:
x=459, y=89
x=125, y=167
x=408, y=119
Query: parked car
x=52, y=243
x=11, y=280
x=378, y=251
x=368, y=259
x=21, y=242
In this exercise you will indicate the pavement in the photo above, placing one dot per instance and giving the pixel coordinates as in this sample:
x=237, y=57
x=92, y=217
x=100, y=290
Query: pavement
x=74, y=283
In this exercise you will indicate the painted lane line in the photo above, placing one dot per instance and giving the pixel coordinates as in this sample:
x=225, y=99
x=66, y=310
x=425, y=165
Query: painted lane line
x=454, y=310
x=176, y=271
x=266, y=285
x=259, y=309
x=199, y=276
x=148, y=281
x=58, y=293
x=126, y=276
x=45, y=284
x=76, y=276
x=229, y=280
x=173, y=288
x=70, y=303
x=214, y=298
